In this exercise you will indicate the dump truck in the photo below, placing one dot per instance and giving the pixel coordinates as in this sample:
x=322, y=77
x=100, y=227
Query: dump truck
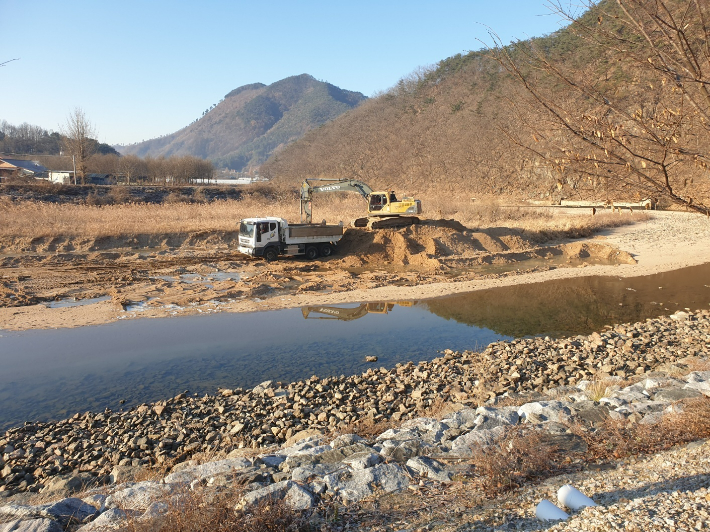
x=270, y=237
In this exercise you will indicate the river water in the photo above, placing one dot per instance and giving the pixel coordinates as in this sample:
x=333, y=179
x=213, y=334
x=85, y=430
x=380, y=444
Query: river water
x=51, y=374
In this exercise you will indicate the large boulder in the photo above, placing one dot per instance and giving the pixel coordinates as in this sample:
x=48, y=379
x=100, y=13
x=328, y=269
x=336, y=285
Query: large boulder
x=139, y=495
x=32, y=525
x=64, y=511
x=295, y=496
x=429, y=468
x=204, y=471
x=354, y=485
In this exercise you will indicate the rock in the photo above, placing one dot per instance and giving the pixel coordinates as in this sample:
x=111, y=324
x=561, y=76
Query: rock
x=305, y=474
x=700, y=381
x=490, y=418
x=68, y=484
x=362, y=460
x=352, y=486
x=295, y=496
x=64, y=511
x=546, y=411
x=463, y=445
x=464, y=418
x=429, y=468
x=121, y=474
x=676, y=394
x=309, y=434
x=370, y=359
x=112, y=519
x=272, y=460
x=210, y=469
x=345, y=440
x=138, y=496
x=32, y=525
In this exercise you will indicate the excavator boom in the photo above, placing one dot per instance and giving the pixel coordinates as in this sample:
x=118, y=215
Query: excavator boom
x=333, y=185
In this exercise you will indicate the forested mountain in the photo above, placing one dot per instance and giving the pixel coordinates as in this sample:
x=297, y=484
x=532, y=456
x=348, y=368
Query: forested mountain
x=29, y=140
x=254, y=121
x=614, y=105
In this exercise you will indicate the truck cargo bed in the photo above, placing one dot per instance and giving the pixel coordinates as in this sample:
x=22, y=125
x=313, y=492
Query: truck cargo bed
x=311, y=230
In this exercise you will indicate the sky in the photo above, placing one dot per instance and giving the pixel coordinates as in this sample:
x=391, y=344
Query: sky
x=140, y=69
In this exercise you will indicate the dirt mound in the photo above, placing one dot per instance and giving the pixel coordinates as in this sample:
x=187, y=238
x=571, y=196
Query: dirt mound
x=599, y=252
x=432, y=247
x=425, y=245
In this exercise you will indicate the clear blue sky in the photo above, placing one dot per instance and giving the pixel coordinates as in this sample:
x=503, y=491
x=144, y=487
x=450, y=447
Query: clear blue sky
x=141, y=69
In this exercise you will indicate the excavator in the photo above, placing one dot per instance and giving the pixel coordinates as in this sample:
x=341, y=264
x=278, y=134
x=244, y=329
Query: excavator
x=349, y=314
x=383, y=208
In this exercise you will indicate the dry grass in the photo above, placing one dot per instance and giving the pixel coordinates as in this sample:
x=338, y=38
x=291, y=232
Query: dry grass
x=619, y=438
x=598, y=389
x=197, y=511
x=108, y=217
x=519, y=457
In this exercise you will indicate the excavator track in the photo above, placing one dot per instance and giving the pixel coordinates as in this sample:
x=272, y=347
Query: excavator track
x=385, y=222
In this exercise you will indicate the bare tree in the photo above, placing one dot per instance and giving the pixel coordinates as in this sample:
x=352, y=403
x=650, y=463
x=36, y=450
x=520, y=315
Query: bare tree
x=131, y=166
x=635, y=118
x=79, y=142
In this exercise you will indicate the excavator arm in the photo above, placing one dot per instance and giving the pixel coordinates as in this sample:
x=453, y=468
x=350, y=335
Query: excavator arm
x=333, y=185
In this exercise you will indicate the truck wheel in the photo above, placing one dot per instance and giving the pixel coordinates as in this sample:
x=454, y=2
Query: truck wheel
x=311, y=252
x=326, y=250
x=271, y=254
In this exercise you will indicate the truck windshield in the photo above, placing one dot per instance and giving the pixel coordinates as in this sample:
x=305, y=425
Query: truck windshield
x=246, y=229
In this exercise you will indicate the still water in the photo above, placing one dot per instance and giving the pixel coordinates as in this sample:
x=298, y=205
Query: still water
x=50, y=374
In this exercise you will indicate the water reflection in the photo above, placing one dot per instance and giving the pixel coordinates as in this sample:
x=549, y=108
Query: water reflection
x=577, y=306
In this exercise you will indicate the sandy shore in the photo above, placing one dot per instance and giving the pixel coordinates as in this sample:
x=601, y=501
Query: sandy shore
x=664, y=241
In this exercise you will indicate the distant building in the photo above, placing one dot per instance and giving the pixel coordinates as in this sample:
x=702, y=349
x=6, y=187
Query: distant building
x=21, y=168
x=61, y=177
x=99, y=179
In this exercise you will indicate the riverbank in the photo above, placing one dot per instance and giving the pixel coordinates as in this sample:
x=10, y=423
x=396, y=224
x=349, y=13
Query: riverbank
x=172, y=431
x=552, y=406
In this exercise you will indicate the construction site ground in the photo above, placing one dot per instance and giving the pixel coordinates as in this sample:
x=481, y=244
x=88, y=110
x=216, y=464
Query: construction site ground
x=69, y=282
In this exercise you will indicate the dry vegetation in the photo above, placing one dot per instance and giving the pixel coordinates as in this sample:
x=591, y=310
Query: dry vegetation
x=182, y=214
x=521, y=457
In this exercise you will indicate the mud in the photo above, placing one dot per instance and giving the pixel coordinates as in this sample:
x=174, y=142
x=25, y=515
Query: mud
x=162, y=275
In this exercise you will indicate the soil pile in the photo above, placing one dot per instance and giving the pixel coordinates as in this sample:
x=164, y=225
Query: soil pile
x=438, y=245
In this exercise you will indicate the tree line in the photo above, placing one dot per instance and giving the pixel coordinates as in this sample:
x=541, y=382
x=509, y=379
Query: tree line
x=28, y=139
x=76, y=149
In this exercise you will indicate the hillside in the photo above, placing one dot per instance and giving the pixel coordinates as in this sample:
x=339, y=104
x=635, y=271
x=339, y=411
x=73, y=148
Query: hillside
x=254, y=121
x=467, y=124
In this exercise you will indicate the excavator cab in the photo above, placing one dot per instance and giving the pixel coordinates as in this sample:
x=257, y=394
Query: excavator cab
x=386, y=204
x=378, y=201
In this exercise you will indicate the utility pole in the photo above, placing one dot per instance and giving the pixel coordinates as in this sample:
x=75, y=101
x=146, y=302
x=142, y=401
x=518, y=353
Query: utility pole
x=73, y=161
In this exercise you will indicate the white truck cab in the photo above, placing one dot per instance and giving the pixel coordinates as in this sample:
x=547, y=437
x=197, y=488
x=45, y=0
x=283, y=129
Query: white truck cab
x=270, y=237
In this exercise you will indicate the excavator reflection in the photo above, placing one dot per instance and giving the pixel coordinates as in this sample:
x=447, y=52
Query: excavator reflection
x=349, y=314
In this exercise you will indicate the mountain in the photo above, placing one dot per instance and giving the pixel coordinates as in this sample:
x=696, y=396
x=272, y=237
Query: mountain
x=467, y=126
x=253, y=122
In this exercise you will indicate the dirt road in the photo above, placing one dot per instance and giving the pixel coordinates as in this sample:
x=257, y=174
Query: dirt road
x=65, y=282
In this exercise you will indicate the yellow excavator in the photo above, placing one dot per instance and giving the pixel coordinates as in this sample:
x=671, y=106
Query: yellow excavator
x=383, y=207
x=349, y=314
